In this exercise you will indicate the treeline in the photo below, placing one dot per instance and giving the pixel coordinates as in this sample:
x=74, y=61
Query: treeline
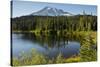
x=55, y=23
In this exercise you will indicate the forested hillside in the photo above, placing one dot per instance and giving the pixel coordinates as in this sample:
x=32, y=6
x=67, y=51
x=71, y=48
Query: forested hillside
x=55, y=23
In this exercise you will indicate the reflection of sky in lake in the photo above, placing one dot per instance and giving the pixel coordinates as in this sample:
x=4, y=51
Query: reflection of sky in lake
x=19, y=44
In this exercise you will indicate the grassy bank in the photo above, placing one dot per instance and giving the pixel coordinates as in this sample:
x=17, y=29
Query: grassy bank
x=38, y=58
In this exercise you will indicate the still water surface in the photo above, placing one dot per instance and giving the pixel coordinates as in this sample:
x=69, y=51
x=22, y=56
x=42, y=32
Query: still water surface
x=50, y=46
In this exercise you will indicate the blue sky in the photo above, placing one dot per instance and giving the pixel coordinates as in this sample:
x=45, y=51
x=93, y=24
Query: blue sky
x=20, y=8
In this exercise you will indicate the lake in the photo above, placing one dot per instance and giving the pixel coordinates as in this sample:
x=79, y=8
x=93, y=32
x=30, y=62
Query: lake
x=50, y=46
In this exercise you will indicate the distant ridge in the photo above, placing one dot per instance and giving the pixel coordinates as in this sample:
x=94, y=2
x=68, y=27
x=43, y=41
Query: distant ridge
x=51, y=11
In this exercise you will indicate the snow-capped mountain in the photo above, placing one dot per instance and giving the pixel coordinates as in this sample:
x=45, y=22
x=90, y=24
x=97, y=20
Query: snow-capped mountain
x=50, y=11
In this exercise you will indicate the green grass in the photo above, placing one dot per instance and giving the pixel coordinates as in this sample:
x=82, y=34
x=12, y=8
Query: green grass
x=37, y=59
x=88, y=50
x=73, y=59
